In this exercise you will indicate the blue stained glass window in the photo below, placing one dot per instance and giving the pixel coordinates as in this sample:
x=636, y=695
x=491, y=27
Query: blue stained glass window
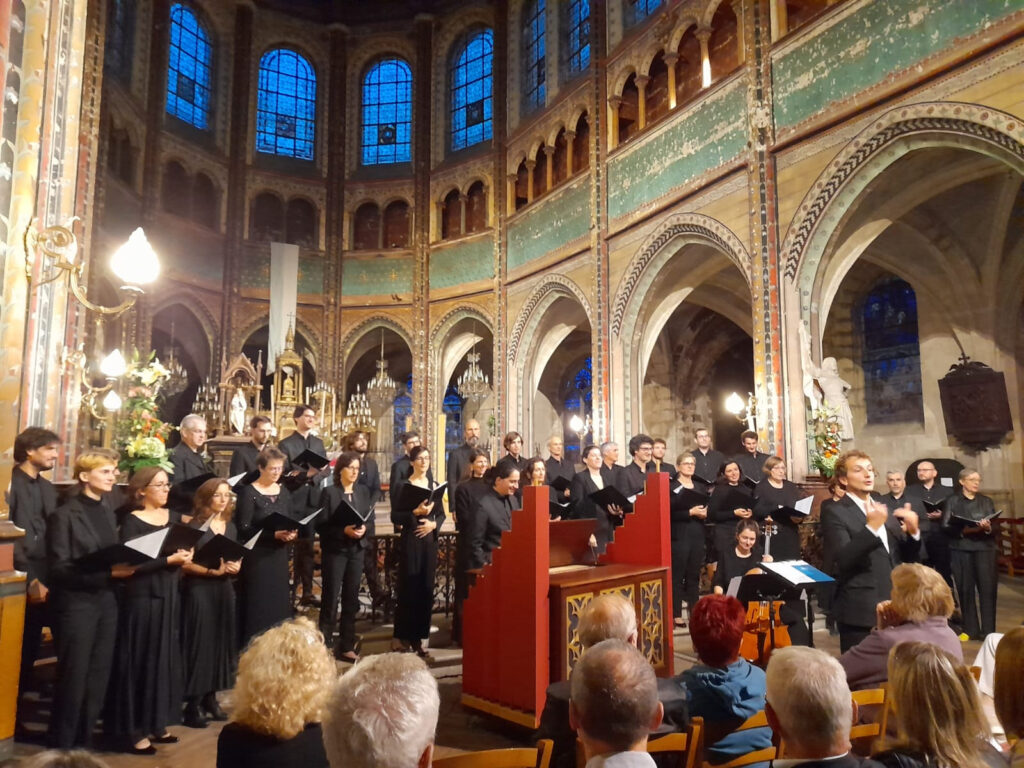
x=579, y=35
x=891, y=356
x=533, y=40
x=453, y=422
x=403, y=409
x=578, y=401
x=470, y=83
x=387, y=113
x=638, y=10
x=188, y=69
x=286, y=105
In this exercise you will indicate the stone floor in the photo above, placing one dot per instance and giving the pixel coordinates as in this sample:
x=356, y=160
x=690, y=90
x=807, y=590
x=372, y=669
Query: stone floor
x=459, y=729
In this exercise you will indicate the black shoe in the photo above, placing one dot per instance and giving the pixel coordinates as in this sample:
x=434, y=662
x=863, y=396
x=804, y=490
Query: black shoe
x=213, y=708
x=194, y=716
x=133, y=750
x=165, y=738
x=310, y=600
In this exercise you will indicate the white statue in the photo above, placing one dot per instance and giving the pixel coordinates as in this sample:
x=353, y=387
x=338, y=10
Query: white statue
x=237, y=412
x=833, y=387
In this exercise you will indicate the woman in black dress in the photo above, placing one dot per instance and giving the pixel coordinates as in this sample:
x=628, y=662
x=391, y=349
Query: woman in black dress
x=470, y=488
x=687, y=527
x=417, y=558
x=210, y=635
x=145, y=693
x=772, y=492
x=343, y=544
x=724, y=510
x=264, y=594
x=83, y=599
x=744, y=554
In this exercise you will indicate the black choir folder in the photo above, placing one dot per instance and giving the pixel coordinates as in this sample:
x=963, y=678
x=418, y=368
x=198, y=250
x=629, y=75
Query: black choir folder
x=190, y=486
x=558, y=508
x=735, y=498
x=219, y=547
x=412, y=496
x=801, y=508
x=181, y=536
x=275, y=521
x=310, y=459
x=352, y=516
x=610, y=495
x=967, y=521
x=559, y=483
x=690, y=498
x=246, y=478
x=135, y=551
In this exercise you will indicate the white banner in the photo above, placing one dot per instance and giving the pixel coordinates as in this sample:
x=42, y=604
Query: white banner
x=284, y=281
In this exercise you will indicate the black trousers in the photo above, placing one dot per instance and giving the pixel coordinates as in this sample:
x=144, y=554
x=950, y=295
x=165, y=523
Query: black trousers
x=304, y=560
x=342, y=572
x=850, y=635
x=974, y=572
x=37, y=616
x=687, y=561
x=936, y=544
x=86, y=625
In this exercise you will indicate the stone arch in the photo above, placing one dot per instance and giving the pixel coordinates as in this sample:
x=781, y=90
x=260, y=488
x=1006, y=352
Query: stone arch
x=440, y=372
x=620, y=79
x=685, y=22
x=311, y=337
x=541, y=298
x=183, y=302
x=369, y=324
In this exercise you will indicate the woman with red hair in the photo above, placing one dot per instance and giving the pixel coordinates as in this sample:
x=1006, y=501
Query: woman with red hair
x=724, y=689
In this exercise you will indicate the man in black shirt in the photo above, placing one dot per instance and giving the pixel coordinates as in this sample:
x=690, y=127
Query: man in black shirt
x=657, y=462
x=633, y=478
x=936, y=543
x=32, y=500
x=610, y=462
x=402, y=468
x=557, y=465
x=245, y=457
x=750, y=459
x=306, y=498
x=709, y=461
x=369, y=476
x=897, y=495
x=458, y=461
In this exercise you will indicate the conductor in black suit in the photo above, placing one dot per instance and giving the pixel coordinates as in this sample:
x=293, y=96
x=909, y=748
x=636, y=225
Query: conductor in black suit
x=306, y=498
x=493, y=514
x=864, y=543
x=458, y=462
x=245, y=457
x=188, y=461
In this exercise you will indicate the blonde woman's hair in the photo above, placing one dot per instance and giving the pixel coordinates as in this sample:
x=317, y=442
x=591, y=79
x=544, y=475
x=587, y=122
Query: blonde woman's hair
x=94, y=458
x=284, y=678
x=919, y=592
x=1008, y=692
x=937, y=706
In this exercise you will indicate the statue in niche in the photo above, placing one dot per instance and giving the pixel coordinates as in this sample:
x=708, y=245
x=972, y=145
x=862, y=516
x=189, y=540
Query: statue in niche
x=833, y=387
x=237, y=412
x=288, y=387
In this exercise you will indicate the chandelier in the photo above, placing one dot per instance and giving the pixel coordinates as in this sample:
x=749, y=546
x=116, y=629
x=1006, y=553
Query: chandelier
x=381, y=390
x=473, y=384
x=358, y=415
x=178, y=379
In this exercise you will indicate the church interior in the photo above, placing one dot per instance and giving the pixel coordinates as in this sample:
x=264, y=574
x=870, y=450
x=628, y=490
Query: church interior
x=582, y=218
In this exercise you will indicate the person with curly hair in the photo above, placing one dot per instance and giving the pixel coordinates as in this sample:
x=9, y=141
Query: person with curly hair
x=284, y=679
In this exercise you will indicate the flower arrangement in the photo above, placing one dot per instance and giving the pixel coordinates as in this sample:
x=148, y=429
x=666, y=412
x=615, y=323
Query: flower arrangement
x=140, y=435
x=825, y=426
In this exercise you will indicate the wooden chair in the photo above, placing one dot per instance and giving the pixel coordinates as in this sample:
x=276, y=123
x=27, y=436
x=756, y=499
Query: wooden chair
x=766, y=755
x=686, y=745
x=525, y=757
x=1010, y=538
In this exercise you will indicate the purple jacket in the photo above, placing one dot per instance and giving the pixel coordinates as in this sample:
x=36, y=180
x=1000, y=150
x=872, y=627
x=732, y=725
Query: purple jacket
x=865, y=663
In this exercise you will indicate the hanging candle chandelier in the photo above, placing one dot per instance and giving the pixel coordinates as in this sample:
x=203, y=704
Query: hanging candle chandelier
x=178, y=379
x=358, y=414
x=381, y=390
x=473, y=384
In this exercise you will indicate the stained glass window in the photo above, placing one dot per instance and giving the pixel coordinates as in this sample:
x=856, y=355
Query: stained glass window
x=387, y=113
x=578, y=401
x=579, y=35
x=891, y=354
x=453, y=422
x=286, y=105
x=533, y=42
x=188, y=69
x=638, y=10
x=470, y=83
x=119, y=47
x=403, y=409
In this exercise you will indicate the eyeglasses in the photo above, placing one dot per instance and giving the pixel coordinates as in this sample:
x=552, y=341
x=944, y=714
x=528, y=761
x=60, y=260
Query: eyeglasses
x=222, y=495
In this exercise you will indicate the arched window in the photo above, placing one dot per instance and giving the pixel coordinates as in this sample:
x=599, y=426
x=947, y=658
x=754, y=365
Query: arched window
x=470, y=83
x=119, y=46
x=366, y=228
x=286, y=105
x=578, y=400
x=476, y=208
x=891, y=354
x=581, y=145
x=266, y=219
x=396, y=225
x=629, y=110
x=176, y=190
x=387, y=113
x=300, y=223
x=205, y=202
x=638, y=10
x=403, y=411
x=578, y=38
x=533, y=44
x=451, y=215
x=452, y=407
x=656, y=92
x=188, y=69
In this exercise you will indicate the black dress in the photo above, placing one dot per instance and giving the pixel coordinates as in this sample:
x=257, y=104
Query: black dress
x=145, y=688
x=731, y=565
x=209, y=630
x=264, y=595
x=687, y=548
x=240, y=747
x=416, y=566
x=721, y=513
x=785, y=544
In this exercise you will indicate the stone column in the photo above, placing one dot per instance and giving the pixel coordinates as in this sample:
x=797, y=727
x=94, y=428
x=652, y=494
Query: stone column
x=463, y=199
x=670, y=63
x=334, y=216
x=238, y=156
x=423, y=414
x=570, y=140
x=641, y=101
x=504, y=200
x=614, y=102
x=510, y=193
x=703, y=35
x=530, y=167
x=549, y=167
x=601, y=142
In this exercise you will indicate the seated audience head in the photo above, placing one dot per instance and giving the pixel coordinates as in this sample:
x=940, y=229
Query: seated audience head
x=716, y=629
x=614, y=700
x=59, y=758
x=608, y=617
x=479, y=460
x=284, y=677
x=382, y=714
x=808, y=702
x=937, y=705
x=1008, y=692
x=919, y=592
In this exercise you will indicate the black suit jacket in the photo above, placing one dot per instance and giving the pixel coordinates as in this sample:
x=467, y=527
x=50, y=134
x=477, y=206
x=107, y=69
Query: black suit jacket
x=244, y=459
x=554, y=720
x=369, y=478
x=185, y=464
x=493, y=516
x=32, y=502
x=330, y=524
x=72, y=534
x=708, y=464
x=579, y=492
x=751, y=465
x=458, y=461
x=860, y=563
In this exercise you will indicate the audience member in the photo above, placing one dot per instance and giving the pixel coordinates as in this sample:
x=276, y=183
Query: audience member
x=723, y=688
x=284, y=679
x=1009, y=692
x=918, y=610
x=938, y=711
x=606, y=617
x=56, y=758
x=808, y=705
x=985, y=660
x=382, y=714
x=614, y=705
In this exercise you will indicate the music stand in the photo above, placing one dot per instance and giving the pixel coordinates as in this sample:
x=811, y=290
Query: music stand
x=799, y=575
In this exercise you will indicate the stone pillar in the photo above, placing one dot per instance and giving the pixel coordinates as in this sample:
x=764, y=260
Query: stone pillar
x=703, y=35
x=238, y=155
x=601, y=142
x=613, y=121
x=570, y=141
x=549, y=167
x=334, y=216
x=510, y=193
x=504, y=199
x=463, y=199
x=421, y=120
x=530, y=166
x=641, y=101
x=670, y=63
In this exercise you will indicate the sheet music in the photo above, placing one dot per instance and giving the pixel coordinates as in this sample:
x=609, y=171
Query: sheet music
x=734, y=586
x=803, y=506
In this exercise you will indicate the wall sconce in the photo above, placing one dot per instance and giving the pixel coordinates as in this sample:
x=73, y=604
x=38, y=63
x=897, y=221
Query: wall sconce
x=135, y=264
x=745, y=412
x=113, y=367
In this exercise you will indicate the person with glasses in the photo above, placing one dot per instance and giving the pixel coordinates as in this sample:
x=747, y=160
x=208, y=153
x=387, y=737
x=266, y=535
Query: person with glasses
x=967, y=522
x=188, y=461
x=417, y=557
x=146, y=693
x=209, y=619
x=632, y=479
x=687, y=532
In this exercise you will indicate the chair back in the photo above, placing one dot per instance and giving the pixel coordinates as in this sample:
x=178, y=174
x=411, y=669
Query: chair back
x=685, y=745
x=766, y=755
x=524, y=757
